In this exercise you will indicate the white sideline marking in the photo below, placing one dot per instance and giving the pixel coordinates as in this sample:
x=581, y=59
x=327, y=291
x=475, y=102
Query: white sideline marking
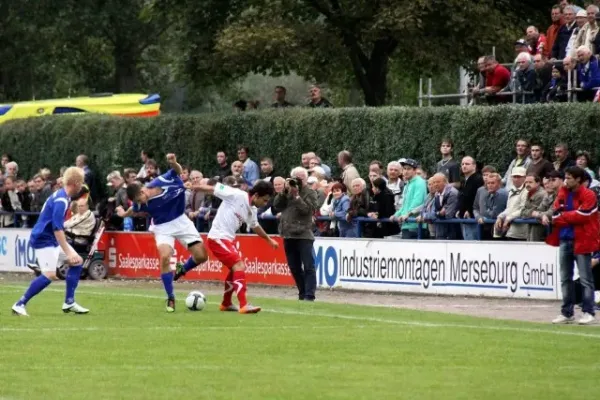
x=453, y=305
x=370, y=319
x=170, y=328
x=434, y=324
x=120, y=368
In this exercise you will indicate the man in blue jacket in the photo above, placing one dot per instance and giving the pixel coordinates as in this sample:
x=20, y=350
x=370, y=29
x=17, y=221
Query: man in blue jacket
x=588, y=74
x=559, y=48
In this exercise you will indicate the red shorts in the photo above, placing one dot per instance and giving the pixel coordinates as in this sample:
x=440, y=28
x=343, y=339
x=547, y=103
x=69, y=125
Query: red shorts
x=225, y=251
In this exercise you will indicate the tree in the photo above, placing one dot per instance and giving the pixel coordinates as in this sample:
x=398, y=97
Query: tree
x=124, y=29
x=333, y=39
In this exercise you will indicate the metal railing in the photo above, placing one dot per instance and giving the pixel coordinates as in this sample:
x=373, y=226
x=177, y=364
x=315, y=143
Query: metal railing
x=421, y=226
x=572, y=89
x=360, y=221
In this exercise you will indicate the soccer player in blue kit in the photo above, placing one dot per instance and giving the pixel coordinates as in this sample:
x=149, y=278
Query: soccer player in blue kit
x=51, y=247
x=164, y=200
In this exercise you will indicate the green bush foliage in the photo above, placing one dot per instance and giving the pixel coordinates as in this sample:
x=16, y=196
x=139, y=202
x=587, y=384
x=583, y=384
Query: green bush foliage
x=385, y=134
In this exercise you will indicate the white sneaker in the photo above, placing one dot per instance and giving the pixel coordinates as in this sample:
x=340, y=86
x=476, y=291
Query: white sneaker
x=561, y=319
x=74, y=307
x=19, y=310
x=587, y=319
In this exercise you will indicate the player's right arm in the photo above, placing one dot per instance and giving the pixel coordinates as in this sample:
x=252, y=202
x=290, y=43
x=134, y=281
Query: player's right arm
x=175, y=166
x=223, y=192
x=58, y=218
x=204, y=188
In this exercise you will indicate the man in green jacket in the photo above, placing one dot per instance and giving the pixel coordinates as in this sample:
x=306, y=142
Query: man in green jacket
x=414, y=195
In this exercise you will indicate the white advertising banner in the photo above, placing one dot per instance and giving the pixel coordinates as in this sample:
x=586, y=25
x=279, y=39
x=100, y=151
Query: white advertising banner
x=498, y=269
x=15, y=250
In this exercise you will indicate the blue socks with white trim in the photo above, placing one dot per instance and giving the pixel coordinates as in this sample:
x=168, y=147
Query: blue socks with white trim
x=189, y=264
x=35, y=287
x=72, y=280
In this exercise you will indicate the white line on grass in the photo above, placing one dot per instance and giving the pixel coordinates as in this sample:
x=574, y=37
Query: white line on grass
x=170, y=328
x=434, y=324
x=202, y=366
x=370, y=319
x=19, y=289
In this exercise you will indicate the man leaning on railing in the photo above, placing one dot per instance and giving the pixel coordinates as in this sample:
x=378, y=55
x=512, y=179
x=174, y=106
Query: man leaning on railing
x=535, y=197
x=491, y=204
x=445, y=205
x=516, y=201
x=415, y=192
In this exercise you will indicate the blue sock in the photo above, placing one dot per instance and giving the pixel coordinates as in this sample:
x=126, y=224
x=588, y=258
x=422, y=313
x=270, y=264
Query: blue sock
x=72, y=281
x=37, y=285
x=167, y=279
x=189, y=264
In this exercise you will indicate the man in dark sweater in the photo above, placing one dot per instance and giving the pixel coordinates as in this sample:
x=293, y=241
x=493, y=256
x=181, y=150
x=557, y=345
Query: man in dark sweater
x=466, y=198
x=223, y=168
x=539, y=165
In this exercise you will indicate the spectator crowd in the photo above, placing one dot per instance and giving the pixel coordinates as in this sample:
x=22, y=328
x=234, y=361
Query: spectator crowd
x=401, y=198
x=548, y=67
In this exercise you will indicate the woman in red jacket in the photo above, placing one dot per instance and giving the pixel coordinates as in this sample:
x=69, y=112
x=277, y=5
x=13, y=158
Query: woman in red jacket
x=576, y=230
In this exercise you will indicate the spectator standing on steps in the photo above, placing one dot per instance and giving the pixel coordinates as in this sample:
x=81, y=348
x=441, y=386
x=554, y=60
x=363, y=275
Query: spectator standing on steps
x=90, y=178
x=447, y=165
x=466, y=199
x=539, y=165
x=251, y=171
x=223, y=169
x=521, y=160
x=349, y=171
x=576, y=231
x=297, y=205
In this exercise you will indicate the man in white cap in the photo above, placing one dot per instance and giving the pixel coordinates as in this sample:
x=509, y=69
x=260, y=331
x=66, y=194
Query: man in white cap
x=517, y=196
x=580, y=21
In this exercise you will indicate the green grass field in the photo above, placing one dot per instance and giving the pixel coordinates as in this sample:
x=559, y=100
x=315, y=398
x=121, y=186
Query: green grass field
x=129, y=348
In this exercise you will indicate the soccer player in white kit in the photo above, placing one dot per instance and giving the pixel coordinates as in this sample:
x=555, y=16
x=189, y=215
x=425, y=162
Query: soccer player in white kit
x=51, y=247
x=164, y=200
x=238, y=207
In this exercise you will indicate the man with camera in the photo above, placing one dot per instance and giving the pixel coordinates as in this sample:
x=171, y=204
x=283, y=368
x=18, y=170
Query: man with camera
x=297, y=205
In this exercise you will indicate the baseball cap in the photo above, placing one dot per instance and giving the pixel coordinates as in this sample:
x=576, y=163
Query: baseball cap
x=410, y=162
x=581, y=13
x=518, y=171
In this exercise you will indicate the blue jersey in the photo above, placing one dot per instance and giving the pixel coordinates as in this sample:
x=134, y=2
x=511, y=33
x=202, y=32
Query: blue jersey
x=51, y=220
x=168, y=205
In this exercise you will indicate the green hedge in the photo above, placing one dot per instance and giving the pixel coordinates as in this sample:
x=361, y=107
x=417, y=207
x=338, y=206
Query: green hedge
x=488, y=133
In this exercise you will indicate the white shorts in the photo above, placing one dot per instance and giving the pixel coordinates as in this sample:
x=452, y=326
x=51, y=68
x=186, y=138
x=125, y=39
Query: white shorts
x=181, y=228
x=50, y=258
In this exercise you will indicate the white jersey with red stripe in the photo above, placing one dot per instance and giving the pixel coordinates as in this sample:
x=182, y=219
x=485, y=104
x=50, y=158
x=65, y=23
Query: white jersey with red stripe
x=234, y=211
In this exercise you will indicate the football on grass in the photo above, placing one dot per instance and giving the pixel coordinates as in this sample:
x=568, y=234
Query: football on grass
x=195, y=301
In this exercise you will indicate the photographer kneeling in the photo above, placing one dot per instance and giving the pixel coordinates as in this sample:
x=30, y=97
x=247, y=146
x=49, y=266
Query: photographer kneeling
x=297, y=205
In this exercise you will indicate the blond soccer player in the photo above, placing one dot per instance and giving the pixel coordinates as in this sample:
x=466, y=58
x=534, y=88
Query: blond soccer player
x=51, y=247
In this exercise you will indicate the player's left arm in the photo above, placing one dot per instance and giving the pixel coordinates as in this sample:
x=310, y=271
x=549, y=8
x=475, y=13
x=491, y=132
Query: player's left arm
x=173, y=164
x=261, y=233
